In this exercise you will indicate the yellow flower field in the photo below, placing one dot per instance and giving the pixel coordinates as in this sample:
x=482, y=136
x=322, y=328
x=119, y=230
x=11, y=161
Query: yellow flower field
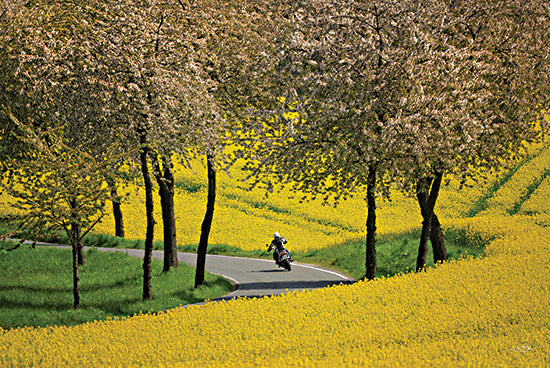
x=473, y=312
x=247, y=219
x=486, y=312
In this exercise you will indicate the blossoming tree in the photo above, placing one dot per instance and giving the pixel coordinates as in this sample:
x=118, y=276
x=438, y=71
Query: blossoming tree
x=397, y=93
x=60, y=188
x=113, y=72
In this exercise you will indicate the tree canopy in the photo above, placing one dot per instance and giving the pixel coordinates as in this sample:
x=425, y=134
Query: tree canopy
x=405, y=90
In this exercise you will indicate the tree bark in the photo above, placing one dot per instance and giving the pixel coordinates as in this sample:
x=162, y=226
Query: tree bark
x=207, y=222
x=147, y=269
x=75, y=234
x=370, y=261
x=79, y=244
x=438, y=241
x=117, y=211
x=165, y=180
x=75, y=239
x=427, y=191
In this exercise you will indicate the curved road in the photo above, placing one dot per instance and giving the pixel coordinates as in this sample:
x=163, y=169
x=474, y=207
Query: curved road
x=251, y=277
x=257, y=277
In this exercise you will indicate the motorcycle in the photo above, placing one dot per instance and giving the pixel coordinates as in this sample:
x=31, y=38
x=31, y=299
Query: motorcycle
x=284, y=257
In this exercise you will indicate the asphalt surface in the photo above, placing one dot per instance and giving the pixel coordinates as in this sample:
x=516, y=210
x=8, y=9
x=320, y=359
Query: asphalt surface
x=253, y=277
x=257, y=277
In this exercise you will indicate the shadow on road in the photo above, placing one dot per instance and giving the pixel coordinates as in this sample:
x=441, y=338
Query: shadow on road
x=265, y=289
x=291, y=284
x=273, y=270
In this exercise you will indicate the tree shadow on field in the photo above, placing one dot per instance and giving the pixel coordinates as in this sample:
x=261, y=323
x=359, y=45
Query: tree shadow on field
x=37, y=305
x=97, y=286
x=252, y=290
x=48, y=298
x=35, y=289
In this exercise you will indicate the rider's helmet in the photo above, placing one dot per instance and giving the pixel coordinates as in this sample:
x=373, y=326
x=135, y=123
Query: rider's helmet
x=276, y=235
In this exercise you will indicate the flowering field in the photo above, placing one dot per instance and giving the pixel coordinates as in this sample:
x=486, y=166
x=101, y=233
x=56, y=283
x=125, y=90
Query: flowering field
x=490, y=311
x=247, y=218
x=473, y=312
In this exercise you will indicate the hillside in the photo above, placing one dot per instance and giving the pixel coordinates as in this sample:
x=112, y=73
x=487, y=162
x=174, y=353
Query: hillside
x=247, y=218
x=489, y=311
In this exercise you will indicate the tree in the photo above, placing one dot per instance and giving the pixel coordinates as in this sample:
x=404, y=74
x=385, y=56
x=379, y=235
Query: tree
x=207, y=221
x=397, y=93
x=150, y=77
x=116, y=200
x=165, y=182
x=65, y=61
x=225, y=40
x=61, y=187
x=341, y=66
x=480, y=97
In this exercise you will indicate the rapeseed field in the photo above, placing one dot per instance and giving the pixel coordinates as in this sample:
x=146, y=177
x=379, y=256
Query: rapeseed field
x=489, y=311
x=247, y=219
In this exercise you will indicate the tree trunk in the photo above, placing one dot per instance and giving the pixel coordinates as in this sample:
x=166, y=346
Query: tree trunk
x=79, y=245
x=75, y=233
x=147, y=270
x=75, y=239
x=166, y=192
x=427, y=204
x=117, y=211
x=370, y=261
x=207, y=222
x=423, y=247
x=438, y=241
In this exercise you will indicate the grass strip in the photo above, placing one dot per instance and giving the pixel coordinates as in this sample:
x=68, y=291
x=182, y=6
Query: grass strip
x=36, y=287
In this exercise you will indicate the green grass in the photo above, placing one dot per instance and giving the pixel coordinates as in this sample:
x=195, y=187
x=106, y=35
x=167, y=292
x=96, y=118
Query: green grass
x=191, y=185
x=36, y=287
x=396, y=253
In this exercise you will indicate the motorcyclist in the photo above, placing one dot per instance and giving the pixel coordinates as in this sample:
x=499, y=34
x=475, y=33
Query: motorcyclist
x=277, y=245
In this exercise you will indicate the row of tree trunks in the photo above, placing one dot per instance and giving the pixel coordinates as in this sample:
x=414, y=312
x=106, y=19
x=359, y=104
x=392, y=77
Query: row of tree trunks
x=165, y=180
x=431, y=227
x=427, y=193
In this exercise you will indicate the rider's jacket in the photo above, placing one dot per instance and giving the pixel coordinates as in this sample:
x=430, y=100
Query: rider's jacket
x=278, y=243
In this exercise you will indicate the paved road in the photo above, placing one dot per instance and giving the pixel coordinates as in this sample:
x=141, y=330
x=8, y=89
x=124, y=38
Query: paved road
x=255, y=277
x=258, y=277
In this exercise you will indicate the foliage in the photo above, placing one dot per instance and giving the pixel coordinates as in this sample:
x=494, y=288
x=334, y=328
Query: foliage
x=59, y=188
x=415, y=87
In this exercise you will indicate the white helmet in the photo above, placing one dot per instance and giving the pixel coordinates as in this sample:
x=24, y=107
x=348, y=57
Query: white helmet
x=276, y=235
